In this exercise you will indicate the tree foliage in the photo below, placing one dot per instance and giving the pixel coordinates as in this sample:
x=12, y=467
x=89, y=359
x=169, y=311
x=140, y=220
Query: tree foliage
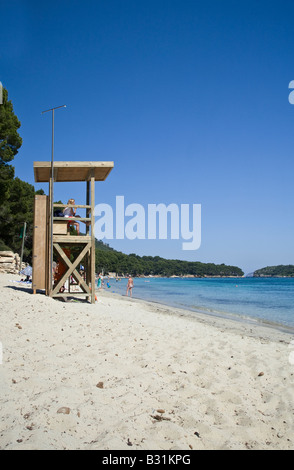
x=110, y=260
x=10, y=142
x=275, y=271
x=15, y=210
x=16, y=196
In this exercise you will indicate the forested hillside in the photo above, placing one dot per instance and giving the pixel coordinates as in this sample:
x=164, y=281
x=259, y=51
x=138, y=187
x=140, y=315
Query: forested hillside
x=110, y=260
x=275, y=271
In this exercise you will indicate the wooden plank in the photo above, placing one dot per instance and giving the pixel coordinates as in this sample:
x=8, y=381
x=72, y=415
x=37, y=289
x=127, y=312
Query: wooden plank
x=88, y=211
x=59, y=228
x=61, y=282
x=74, y=164
x=40, y=249
x=72, y=294
x=71, y=268
x=68, y=219
x=50, y=241
x=72, y=171
x=92, y=238
x=80, y=206
x=72, y=239
x=87, y=260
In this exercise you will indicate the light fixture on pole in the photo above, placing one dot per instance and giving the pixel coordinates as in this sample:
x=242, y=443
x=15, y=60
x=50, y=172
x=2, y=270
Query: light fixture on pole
x=51, y=191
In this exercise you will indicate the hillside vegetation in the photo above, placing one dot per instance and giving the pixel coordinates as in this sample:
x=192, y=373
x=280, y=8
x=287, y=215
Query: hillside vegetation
x=275, y=271
x=110, y=260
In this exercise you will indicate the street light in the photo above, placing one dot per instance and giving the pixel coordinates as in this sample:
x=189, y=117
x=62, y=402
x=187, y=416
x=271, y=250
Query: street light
x=51, y=189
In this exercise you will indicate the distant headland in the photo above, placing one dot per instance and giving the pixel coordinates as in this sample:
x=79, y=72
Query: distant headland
x=275, y=271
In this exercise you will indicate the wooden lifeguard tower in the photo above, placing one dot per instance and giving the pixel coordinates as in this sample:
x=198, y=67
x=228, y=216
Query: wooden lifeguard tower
x=52, y=234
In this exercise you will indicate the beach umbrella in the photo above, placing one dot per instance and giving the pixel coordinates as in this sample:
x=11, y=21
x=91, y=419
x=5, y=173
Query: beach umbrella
x=28, y=271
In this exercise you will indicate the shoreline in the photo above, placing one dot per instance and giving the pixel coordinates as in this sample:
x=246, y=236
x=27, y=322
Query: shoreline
x=234, y=322
x=249, y=326
x=213, y=316
x=128, y=374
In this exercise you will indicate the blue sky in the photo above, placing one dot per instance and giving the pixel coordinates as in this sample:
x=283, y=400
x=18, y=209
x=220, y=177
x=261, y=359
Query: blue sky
x=188, y=98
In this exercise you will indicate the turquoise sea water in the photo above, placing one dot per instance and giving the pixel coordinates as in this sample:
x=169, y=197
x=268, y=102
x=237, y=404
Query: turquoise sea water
x=266, y=300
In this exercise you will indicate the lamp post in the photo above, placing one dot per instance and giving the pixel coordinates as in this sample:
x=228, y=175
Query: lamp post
x=23, y=236
x=51, y=192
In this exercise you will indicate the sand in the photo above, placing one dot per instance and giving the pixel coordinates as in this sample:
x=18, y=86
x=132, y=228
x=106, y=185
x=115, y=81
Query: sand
x=131, y=375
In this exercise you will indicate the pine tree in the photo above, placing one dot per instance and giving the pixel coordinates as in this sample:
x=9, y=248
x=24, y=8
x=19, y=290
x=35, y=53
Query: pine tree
x=10, y=142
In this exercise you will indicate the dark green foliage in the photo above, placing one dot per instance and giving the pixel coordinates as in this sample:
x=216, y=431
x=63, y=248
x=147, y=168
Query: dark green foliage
x=15, y=210
x=275, y=271
x=16, y=196
x=4, y=247
x=10, y=142
x=111, y=260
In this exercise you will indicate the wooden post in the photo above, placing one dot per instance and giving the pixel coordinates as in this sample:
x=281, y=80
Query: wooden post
x=40, y=244
x=92, y=238
x=50, y=240
x=88, y=211
x=87, y=264
x=22, y=243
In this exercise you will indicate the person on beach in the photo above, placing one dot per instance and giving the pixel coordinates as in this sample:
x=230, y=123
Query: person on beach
x=71, y=212
x=99, y=282
x=130, y=286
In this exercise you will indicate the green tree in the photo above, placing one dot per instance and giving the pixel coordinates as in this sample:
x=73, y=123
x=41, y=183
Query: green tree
x=17, y=209
x=111, y=260
x=10, y=142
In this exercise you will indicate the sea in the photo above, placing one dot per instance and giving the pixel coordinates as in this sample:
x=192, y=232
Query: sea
x=268, y=301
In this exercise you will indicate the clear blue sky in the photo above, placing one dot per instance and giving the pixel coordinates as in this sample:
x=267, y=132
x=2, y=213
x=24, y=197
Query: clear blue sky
x=188, y=98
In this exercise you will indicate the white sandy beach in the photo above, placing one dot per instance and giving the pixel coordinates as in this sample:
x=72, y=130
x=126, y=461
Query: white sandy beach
x=166, y=380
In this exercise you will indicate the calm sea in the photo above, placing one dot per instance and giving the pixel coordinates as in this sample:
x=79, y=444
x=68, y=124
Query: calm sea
x=266, y=300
